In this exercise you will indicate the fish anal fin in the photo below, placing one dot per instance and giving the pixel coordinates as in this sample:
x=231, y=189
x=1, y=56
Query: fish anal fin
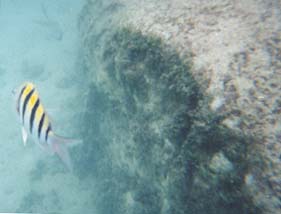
x=24, y=135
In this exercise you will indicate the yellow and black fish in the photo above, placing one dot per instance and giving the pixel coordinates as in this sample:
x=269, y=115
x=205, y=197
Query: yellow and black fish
x=35, y=121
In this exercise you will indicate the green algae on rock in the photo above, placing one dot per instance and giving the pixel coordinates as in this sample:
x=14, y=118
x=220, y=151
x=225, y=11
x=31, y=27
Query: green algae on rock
x=152, y=143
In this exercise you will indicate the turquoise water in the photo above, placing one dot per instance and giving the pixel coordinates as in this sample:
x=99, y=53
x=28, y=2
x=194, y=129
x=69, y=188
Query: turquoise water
x=39, y=43
x=150, y=143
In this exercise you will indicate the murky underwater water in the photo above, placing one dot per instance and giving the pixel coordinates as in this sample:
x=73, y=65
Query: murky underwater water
x=151, y=141
x=39, y=43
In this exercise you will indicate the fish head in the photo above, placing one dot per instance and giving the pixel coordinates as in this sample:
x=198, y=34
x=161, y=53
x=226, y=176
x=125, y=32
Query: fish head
x=17, y=91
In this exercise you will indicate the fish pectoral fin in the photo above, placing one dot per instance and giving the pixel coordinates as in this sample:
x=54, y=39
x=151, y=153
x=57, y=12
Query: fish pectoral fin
x=24, y=135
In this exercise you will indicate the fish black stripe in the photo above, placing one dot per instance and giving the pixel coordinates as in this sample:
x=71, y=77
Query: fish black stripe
x=33, y=112
x=25, y=103
x=41, y=124
x=19, y=98
x=47, y=132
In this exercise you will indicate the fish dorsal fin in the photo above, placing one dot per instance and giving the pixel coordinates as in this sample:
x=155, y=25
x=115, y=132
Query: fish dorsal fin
x=52, y=111
x=50, y=117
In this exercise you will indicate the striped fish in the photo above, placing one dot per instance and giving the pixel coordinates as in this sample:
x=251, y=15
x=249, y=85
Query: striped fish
x=36, y=123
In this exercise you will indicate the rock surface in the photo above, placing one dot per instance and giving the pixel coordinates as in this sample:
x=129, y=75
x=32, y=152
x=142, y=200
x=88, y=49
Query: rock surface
x=145, y=107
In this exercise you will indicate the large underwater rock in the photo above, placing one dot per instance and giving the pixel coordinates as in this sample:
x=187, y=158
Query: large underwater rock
x=155, y=140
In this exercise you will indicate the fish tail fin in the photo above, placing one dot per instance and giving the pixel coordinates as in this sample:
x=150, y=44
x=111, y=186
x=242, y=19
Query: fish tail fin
x=59, y=146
